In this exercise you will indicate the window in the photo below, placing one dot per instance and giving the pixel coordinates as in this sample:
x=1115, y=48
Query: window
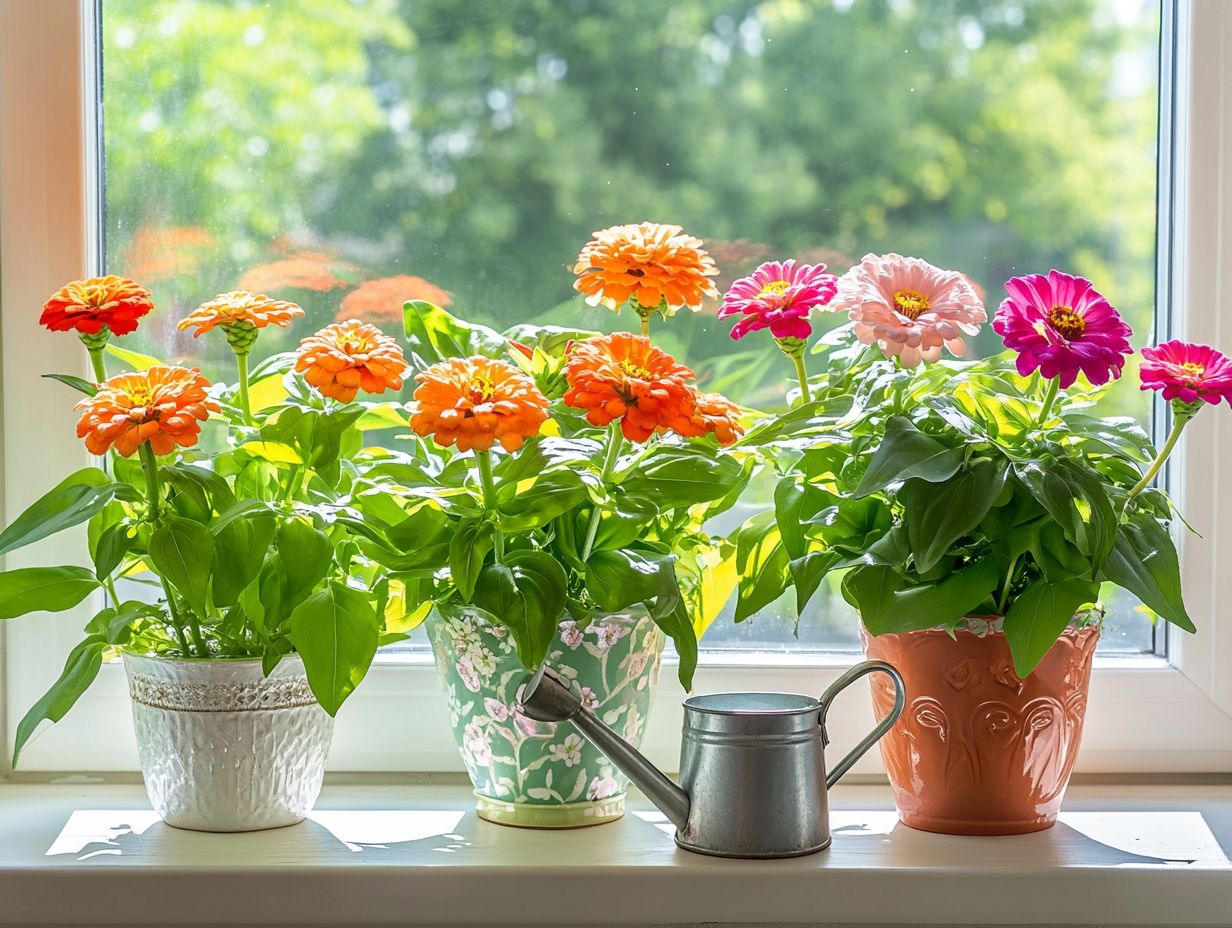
x=344, y=153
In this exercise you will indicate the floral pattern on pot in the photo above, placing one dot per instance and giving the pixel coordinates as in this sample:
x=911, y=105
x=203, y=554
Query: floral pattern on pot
x=542, y=774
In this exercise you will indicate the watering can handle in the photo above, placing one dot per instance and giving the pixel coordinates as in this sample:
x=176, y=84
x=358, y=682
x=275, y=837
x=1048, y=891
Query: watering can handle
x=900, y=700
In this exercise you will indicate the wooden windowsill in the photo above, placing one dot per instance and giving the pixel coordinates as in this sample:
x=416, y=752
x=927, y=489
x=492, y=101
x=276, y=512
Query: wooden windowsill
x=392, y=855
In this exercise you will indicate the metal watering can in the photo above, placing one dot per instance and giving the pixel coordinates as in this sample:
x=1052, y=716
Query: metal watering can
x=752, y=769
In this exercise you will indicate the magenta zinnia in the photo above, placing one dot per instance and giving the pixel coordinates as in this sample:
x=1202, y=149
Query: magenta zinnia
x=909, y=308
x=1186, y=372
x=778, y=296
x=1060, y=325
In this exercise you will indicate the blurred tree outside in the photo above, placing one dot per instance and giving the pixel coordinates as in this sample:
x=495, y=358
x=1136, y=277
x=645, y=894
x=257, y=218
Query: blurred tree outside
x=349, y=154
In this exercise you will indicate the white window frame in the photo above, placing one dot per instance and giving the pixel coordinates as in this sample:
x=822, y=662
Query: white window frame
x=1146, y=715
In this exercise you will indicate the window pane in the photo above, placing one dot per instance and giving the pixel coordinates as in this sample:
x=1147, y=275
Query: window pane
x=351, y=154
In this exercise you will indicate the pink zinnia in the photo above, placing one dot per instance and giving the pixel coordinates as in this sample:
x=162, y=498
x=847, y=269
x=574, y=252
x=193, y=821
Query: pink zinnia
x=778, y=296
x=1186, y=372
x=909, y=308
x=1061, y=325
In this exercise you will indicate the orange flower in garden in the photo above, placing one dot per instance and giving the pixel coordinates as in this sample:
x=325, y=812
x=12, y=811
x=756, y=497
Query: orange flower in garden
x=346, y=357
x=381, y=300
x=652, y=264
x=714, y=414
x=88, y=305
x=164, y=252
x=237, y=307
x=475, y=402
x=304, y=270
x=164, y=406
x=622, y=376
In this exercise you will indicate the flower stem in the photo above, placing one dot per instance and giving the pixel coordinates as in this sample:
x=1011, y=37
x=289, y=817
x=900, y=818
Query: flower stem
x=646, y=326
x=806, y=395
x=150, y=466
x=615, y=442
x=484, y=460
x=98, y=364
x=1054, y=387
x=241, y=364
x=1179, y=421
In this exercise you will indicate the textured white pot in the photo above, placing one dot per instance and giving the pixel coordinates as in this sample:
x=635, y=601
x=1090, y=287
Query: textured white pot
x=224, y=748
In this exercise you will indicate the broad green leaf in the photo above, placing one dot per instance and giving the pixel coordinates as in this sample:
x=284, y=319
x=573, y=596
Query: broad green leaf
x=44, y=589
x=239, y=553
x=471, y=543
x=115, y=542
x=888, y=605
x=434, y=335
x=616, y=580
x=72, y=501
x=306, y=555
x=1039, y=614
x=273, y=451
x=622, y=520
x=1076, y=498
x=684, y=476
x=79, y=384
x=534, y=502
x=79, y=672
x=807, y=572
x=134, y=359
x=939, y=514
x=335, y=631
x=527, y=595
x=182, y=552
x=1143, y=560
x=762, y=563
x=907, y=453
x=1056, y=555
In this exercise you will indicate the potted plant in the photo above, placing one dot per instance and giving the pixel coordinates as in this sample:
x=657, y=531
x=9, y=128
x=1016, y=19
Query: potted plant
x=242, y=607
x=976, y=509
x=557, y=499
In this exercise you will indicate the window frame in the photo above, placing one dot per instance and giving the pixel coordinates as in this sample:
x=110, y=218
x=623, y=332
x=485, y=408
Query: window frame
x=1146, y=715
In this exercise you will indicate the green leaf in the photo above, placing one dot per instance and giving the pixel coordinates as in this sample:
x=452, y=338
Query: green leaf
x=182, y=552
x=434, y=335
x=239, y=553
x=532, y=503
x=616, y=580
x=1056, y=555
x=1076, y=498
x=527, y=595
x=939, y=514
x=888, y=605
x=335, y=631
x=77, y=383
x=807, y=572
x=1143, y=560
x=686, y=476
x=134, y=359
x=622, y=521
x=762, y=563
x=44, y=589
x=471, y=543
x=907, y=453
x=75, y=499
x=79, y=672
x=305, y=554
x=1038, y=616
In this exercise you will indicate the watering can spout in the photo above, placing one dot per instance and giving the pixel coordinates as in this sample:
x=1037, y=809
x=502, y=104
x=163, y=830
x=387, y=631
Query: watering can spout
x=546, y=697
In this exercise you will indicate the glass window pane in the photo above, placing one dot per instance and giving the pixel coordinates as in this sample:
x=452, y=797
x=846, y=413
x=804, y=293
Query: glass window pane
x=351, y=154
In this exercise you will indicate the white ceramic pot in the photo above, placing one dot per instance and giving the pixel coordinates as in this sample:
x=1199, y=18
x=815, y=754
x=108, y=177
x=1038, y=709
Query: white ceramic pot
x=224, y=748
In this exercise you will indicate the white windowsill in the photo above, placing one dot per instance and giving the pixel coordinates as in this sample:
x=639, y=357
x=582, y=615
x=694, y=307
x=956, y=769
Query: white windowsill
x=416, y=854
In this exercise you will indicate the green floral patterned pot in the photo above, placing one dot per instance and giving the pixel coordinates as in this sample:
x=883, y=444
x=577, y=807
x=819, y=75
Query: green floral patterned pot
x=542, y=774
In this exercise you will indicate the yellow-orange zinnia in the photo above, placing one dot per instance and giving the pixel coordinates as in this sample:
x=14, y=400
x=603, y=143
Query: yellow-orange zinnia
x=237, y=307
x=476, y=402
x=651, y=263
x=714, y=414
x=622, y=376
x=346, y=357
x=164, y=406
x=88, y=305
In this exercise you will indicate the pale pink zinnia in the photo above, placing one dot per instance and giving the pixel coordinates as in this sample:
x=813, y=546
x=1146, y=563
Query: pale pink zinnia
x=778, y=296
x=1061, y=325
x=1186, y=372
x=909, y=308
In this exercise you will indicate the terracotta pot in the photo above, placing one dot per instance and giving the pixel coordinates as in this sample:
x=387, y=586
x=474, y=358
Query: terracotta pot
x=980, y=751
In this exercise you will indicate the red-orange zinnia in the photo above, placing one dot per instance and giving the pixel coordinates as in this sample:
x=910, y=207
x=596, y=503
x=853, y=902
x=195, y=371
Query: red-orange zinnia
x=88, y=305
x=714, y=414
x=475, y=402
x=651, y=263
x=164, y=406
x=237, y=307
x=381, y=300
x=622, y=376
x=346, y=357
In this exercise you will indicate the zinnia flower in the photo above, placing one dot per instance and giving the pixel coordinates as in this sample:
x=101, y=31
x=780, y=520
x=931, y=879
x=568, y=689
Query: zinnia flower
x=715, y=414
x=622, y=376
x=476, y=402
x=381, y=300
x=909, y=308
x=655, y=265
x=1185, y=372
x=304, y=270
x=1061, y=325
x=346, y=357
x=778, y=296
x=88, y=305
x=240, y=308
x=164, y=406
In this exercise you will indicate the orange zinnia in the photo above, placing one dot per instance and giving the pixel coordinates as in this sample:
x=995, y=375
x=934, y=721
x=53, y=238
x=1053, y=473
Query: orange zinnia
x=303, y=270
x=239, y=307
x=622, y=376
x=714, y=414
x=381, y=300
x=656, y=265
x=475, y=402
x=346, y=357
x=88, y=305
x=164, y=406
